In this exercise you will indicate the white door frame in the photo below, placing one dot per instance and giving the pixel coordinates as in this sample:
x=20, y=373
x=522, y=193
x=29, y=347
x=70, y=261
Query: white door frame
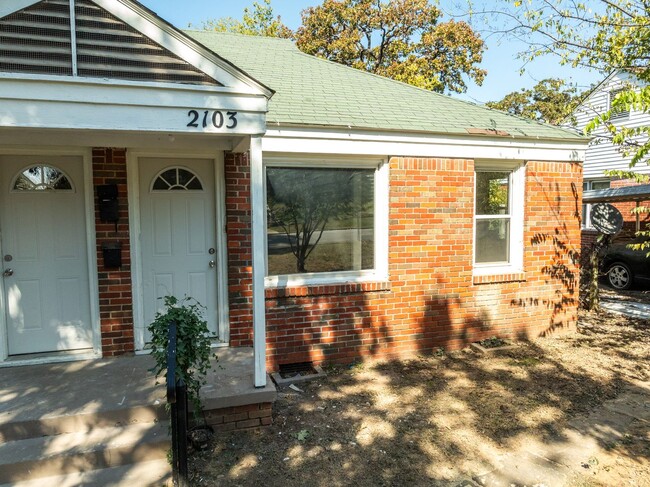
x=91, y=250
x=133, y=185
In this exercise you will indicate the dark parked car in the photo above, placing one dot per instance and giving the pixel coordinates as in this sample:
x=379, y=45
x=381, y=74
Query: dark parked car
x=624, y=266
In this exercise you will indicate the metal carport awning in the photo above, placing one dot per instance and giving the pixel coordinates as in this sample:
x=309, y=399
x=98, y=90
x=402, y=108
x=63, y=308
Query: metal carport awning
x=638, y=193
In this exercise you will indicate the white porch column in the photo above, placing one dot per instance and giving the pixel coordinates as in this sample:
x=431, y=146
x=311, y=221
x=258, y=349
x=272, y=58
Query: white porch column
x=259, y=242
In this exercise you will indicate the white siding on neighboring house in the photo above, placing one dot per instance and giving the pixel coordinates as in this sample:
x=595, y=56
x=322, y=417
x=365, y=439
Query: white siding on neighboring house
x=602, y=155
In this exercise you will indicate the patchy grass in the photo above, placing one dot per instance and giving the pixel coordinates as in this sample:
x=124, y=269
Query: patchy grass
x=434, y=420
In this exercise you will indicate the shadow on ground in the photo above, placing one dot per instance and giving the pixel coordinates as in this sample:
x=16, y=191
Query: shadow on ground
x=437, y=420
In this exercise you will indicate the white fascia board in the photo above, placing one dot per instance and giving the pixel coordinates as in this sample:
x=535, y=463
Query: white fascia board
x=8, y=7
x=314, y=141
x=119, y=92
x=185, y=48
x=73, y=104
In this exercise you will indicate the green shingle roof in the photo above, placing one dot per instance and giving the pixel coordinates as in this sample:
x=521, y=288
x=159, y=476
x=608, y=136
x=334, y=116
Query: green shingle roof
x=315, y=92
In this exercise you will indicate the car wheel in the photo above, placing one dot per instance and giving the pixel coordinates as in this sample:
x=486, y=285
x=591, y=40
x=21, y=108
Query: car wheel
x=619, y=276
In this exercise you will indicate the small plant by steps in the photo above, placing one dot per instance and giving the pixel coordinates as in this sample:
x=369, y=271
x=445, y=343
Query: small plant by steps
x=193, y=350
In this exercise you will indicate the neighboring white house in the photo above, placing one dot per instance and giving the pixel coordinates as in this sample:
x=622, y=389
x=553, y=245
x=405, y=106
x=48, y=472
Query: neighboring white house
x=602, y=155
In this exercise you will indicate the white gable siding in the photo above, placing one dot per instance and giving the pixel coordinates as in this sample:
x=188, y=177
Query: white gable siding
x=602, y=155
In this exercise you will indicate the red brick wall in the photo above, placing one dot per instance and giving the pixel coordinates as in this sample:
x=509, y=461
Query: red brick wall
x=238, y=233
x=115, y=294
x=432, y=299
x=245, y=417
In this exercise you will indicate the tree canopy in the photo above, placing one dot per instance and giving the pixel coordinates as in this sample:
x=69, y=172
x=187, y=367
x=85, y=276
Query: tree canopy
x=400, y=39
x=604, y=35
x=405, y=40
x=258, y=20
x=551, y=100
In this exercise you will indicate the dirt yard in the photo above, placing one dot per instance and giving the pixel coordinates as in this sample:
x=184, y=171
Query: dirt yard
x=448, y=419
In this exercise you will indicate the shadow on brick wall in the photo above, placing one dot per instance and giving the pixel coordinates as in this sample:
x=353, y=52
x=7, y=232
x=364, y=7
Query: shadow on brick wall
x=560, y=248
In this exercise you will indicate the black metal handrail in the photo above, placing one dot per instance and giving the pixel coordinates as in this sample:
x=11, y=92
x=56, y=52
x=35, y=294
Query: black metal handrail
x=177, y=399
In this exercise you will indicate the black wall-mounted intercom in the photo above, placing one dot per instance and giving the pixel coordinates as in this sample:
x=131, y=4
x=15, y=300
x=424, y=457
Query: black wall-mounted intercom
x=109, y=208
x=112, y=252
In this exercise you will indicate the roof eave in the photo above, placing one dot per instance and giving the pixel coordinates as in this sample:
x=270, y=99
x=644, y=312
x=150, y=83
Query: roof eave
x=487, y=133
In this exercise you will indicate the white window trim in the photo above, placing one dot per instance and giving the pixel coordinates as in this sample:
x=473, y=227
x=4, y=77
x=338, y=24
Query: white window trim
x=517, y=205
x=381, y=201
x=586, y=222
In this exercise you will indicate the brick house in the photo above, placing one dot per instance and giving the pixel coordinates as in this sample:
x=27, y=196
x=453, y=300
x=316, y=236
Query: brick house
x=320, y=213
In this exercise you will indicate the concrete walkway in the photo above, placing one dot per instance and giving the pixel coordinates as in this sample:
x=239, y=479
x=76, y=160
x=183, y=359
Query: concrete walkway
x=581, y=449
x=633, y=309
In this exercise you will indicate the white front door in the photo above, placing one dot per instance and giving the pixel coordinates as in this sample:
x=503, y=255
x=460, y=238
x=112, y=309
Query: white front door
x=44, y=254
x=178, y=234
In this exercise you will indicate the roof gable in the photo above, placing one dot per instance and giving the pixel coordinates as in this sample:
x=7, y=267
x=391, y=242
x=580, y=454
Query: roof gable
x=114, y=39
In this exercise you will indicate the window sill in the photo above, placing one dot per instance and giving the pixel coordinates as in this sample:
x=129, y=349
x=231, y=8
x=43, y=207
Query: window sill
x=498, y=277
x=323, y=279
x=302, y=290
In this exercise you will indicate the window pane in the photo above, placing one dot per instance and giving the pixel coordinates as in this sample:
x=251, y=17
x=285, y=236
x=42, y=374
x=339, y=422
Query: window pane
x=600, y=185
x=319, y=220
x=492, y=193
x=492, y=240
x=42, y=178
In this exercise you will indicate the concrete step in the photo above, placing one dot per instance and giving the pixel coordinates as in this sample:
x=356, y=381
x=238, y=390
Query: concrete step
x=155, y=473
x=12, y=430
x=70, y=453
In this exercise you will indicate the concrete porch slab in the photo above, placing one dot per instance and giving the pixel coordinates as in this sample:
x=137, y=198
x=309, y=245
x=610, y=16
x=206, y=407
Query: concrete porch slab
x=93, y=387
x=230, y=382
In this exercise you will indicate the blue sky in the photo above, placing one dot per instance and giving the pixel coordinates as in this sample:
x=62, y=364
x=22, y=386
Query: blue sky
x=499, y=60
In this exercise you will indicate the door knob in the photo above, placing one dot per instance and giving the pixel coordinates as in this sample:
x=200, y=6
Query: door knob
x=8, y=272
x=212, y=264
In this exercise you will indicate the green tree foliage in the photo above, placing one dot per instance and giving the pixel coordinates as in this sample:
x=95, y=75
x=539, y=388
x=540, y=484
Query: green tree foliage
x=400, y=39
x=551, y=101
x=258, y=20
x=604, y=35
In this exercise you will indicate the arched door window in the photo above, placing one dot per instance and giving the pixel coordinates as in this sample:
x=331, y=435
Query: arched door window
x=176, y=179
x=42, y=178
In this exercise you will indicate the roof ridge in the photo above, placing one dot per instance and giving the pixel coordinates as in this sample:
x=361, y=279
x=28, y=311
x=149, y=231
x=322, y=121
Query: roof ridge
x=237, y=34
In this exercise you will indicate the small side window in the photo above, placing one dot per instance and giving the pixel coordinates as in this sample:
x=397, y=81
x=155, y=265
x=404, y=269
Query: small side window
x=498, y=217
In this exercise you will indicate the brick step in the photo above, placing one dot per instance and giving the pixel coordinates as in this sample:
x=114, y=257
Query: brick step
x=70, y=423
x=154, y=473
x=82, y=451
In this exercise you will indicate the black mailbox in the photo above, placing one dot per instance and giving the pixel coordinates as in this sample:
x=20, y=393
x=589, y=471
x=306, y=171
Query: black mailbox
x=112, y=254
x=109, y=209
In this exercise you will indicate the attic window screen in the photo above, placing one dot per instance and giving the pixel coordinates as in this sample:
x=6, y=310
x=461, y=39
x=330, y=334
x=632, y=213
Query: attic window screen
x=42, y=178
x=618, y=113
x=107, y=47
x=176, y=179
x=38, y=40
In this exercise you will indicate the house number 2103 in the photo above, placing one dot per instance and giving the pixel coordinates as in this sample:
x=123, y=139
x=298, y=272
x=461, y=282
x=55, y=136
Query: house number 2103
x=216, y=119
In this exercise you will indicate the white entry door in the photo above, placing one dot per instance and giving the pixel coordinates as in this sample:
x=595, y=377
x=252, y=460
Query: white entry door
x=44, y=254
x=178, y=234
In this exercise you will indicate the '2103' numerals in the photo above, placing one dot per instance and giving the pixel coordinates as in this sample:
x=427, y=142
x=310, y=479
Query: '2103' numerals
x=217, y=119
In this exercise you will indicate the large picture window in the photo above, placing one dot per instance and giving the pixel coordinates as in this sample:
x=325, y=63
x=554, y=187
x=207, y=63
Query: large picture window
x=498, y=218
x=321, y=221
